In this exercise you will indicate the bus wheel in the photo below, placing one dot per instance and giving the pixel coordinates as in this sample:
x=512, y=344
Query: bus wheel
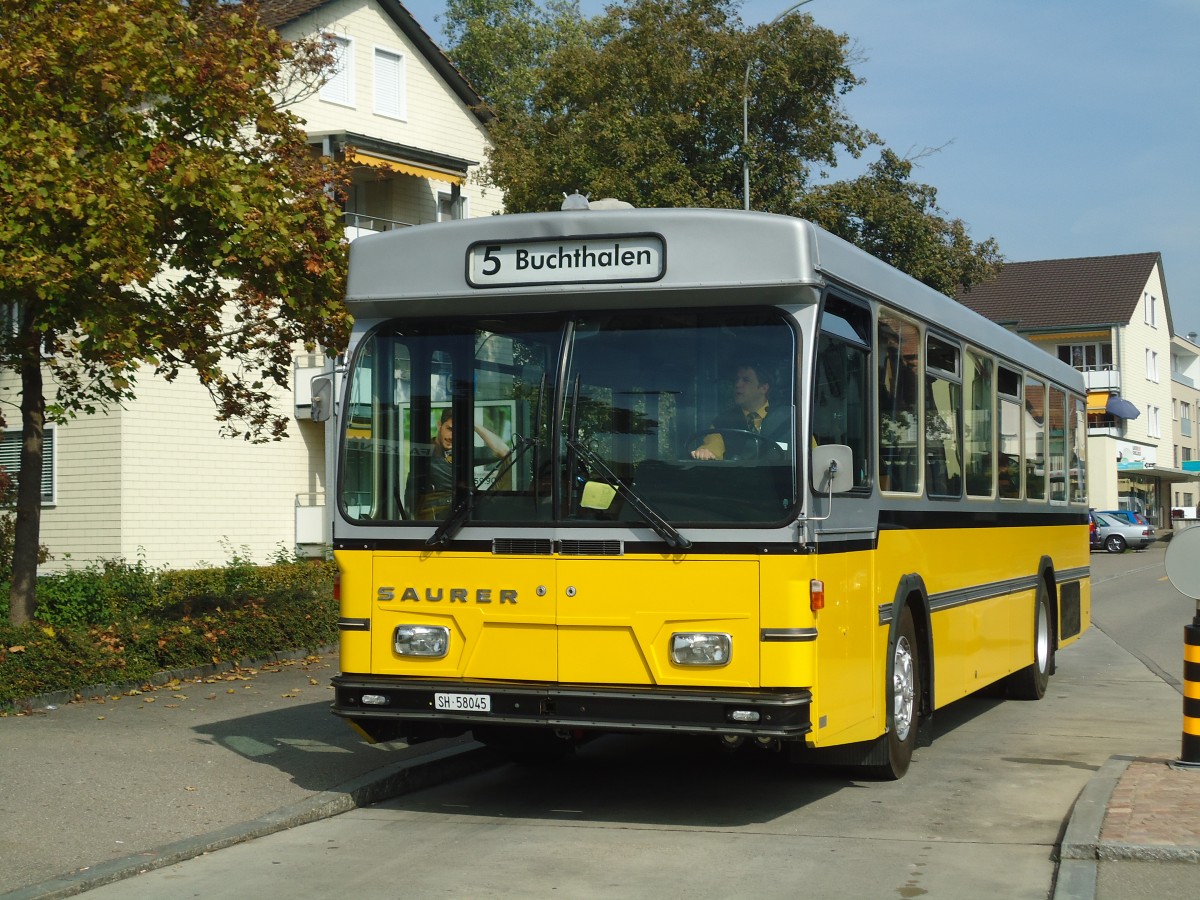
x=1030, y=683
x=525, y=746
x=905, y=694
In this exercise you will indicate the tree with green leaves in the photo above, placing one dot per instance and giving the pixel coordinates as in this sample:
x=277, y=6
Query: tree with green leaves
x=900, y=222
x=645, y=103
x=503, y=45
x=163, y=214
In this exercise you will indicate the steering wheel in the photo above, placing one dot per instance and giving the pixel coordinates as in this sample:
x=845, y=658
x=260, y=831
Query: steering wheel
x=759, y=447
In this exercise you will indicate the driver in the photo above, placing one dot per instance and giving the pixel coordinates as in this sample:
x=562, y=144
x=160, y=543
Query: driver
x=751, y=412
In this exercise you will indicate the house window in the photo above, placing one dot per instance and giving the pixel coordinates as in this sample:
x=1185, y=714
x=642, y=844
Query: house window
x=1152, y=428
x=340, y=86
x=1090, y=357
x=1151, y=365
x=389, y=84
x=1150, y=303
x=1185, y=419
x=10, y=460
x=451, y=206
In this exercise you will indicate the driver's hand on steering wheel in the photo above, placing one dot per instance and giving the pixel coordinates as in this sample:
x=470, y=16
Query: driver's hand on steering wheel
x=703, y=453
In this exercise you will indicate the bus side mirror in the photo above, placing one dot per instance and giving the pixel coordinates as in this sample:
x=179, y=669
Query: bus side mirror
x=322, y=398
x=832, y=469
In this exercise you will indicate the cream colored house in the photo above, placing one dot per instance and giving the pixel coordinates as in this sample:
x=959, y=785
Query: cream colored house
x=1109, y=317
x=155, y=480
x=1185, y=407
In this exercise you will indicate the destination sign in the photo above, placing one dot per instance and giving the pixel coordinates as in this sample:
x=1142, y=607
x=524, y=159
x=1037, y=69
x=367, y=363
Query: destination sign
x=633, y=257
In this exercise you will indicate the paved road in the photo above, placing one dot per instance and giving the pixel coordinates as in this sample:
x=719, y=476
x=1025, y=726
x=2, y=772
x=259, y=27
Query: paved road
x=1135, y=604
x=978, y=815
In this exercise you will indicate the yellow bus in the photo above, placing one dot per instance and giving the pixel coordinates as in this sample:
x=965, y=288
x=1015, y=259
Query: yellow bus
x=615, y=544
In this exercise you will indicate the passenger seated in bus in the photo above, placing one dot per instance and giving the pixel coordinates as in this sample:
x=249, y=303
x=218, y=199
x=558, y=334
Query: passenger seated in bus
x=433, y=495
x=749, y=428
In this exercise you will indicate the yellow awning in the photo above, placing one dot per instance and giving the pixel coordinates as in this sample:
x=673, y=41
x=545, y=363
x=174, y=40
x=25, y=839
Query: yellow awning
x=1097, y=400
x=1072, y=337
x=404, y=168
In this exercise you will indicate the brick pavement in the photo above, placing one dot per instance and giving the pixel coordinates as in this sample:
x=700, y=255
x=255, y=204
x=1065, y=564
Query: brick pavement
x=1155, y=805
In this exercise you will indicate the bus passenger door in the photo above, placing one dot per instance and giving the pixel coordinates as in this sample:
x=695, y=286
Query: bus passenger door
x=848, y=679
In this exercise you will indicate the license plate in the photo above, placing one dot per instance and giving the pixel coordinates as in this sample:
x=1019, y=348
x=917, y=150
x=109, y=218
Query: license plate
x=463, y=702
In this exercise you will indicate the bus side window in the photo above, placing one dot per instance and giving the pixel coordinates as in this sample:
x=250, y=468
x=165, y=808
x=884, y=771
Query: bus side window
x=841, y=392
x=899, y=349
x=979, y=435
x=1011, y=468
x=1035, y=439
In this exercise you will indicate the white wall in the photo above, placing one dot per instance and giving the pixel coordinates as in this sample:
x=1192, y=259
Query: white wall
x=192, y=496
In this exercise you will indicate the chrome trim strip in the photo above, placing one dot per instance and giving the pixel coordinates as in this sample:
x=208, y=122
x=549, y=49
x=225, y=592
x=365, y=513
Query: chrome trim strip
x=788, y=635
x=885, y=613
x=1073, y=574
x=975, y=593
x=354, y=624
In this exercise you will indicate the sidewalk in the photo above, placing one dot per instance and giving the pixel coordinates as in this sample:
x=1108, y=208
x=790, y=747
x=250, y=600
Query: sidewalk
x=1133, y=833
x=96, y=790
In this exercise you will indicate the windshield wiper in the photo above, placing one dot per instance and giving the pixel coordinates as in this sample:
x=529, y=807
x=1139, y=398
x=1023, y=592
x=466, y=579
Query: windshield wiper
x=661, y=526
x=453, y=523
x=457, y=518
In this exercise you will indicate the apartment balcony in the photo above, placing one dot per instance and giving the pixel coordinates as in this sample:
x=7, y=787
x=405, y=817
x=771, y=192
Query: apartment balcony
x=305, y=367
x=1102, y=379
x=358, y=224
x=313, y=526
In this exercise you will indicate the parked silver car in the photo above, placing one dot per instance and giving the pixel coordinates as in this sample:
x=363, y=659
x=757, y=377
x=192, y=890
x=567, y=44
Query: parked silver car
x=1114, y=534
x=1125, y=515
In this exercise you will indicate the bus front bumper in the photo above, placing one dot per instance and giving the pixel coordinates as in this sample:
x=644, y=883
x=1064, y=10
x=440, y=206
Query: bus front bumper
x=765, y=713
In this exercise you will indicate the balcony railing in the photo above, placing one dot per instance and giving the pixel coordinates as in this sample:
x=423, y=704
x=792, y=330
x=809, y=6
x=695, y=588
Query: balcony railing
x=358, y=224
x=1102, y=379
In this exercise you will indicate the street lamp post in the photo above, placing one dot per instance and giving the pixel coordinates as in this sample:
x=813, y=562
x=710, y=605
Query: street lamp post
x=746, y=106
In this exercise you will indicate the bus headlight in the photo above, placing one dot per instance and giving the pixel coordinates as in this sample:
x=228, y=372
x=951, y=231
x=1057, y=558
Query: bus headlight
x=421, y=640
x=701, y=648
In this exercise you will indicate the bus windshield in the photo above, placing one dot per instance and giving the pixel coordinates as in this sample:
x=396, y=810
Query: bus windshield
x=624, y=416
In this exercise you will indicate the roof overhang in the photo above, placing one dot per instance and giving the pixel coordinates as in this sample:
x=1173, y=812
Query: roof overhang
x=1158, y=473
x=369, y=151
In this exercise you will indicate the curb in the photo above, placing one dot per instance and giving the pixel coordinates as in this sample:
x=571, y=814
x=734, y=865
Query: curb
x=458, y=759
x=1078, y=865
x=1081, y=840
x=1082, y=851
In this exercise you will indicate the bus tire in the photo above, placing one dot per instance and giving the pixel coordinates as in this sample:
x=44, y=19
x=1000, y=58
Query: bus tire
x=904, y=691
x=1030, y=683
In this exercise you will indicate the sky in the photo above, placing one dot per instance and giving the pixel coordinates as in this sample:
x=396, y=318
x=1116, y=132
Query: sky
x=1062, y=128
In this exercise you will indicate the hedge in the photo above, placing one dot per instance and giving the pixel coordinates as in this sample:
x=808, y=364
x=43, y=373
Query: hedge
x=116, y=623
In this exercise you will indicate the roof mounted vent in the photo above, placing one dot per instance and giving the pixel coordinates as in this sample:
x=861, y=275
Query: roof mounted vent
x=577, y=201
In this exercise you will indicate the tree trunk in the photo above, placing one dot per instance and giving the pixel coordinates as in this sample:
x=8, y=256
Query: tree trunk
x=22, y=594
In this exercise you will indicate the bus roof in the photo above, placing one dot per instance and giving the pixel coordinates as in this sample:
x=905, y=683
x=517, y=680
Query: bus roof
x=577, y=260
